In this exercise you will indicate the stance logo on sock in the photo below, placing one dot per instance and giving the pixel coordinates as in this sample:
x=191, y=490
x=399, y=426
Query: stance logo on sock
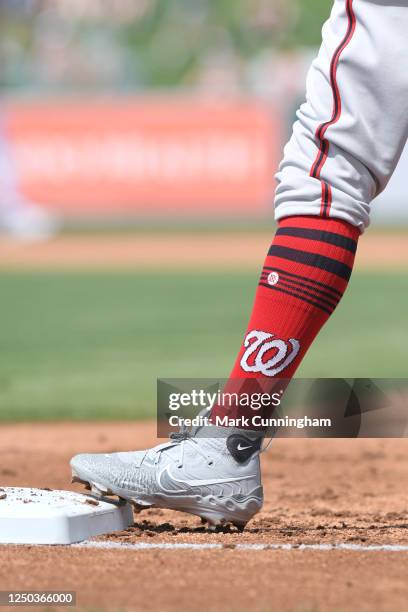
x=259, y=344
x=273, y=278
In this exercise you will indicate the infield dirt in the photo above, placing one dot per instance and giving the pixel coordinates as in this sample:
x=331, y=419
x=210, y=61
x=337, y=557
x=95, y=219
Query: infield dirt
x=317, y=491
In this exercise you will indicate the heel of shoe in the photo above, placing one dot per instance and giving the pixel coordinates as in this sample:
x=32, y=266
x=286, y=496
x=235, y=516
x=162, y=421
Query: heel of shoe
x=237, y=511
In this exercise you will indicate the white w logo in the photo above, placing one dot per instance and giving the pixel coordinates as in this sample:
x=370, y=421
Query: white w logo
x=258, y=343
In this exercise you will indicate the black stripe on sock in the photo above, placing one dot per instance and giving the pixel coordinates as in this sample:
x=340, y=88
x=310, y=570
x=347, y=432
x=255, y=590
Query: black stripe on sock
x=321, y=236
x=297, y=290
x=312, y=259
x=299, y=297
x=295, y=283
x=305, y=279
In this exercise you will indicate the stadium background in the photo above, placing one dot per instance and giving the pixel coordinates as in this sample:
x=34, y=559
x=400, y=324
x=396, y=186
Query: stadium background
x=152, y=129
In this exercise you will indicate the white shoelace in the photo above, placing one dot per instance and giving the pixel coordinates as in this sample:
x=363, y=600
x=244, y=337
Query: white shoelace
x=180, y=439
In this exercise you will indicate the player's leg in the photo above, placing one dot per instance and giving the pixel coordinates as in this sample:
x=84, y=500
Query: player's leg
x=351, y=130
x=344, y=147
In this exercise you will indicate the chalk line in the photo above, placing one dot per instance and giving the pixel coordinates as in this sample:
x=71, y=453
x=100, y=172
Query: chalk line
x=110, y=545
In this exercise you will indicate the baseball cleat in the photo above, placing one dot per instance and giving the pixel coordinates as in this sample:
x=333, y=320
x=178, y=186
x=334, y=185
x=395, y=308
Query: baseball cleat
x=217, y=478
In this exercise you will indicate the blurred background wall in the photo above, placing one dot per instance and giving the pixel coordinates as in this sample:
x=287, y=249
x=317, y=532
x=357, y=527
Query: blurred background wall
x=157, y=108
x=149, y=132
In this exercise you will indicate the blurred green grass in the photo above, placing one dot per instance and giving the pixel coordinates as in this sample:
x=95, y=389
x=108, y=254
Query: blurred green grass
x=90, y=346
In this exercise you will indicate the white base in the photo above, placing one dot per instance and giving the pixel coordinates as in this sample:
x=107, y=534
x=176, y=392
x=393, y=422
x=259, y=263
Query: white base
x=39, y=516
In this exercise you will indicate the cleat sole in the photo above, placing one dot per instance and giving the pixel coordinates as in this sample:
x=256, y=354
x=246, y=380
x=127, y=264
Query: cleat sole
x=217, y=513
x=80, y=481
x=137, y=507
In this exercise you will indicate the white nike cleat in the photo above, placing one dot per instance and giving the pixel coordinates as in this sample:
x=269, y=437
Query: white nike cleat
x=217, y=478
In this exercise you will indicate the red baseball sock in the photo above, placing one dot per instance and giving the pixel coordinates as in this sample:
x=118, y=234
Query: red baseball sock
x=304, y=277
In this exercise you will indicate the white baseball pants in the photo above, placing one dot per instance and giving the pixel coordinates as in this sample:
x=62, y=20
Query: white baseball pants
x=351, y=130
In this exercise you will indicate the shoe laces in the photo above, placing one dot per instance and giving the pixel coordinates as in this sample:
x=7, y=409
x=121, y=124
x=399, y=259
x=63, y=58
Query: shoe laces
x=181, y=439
